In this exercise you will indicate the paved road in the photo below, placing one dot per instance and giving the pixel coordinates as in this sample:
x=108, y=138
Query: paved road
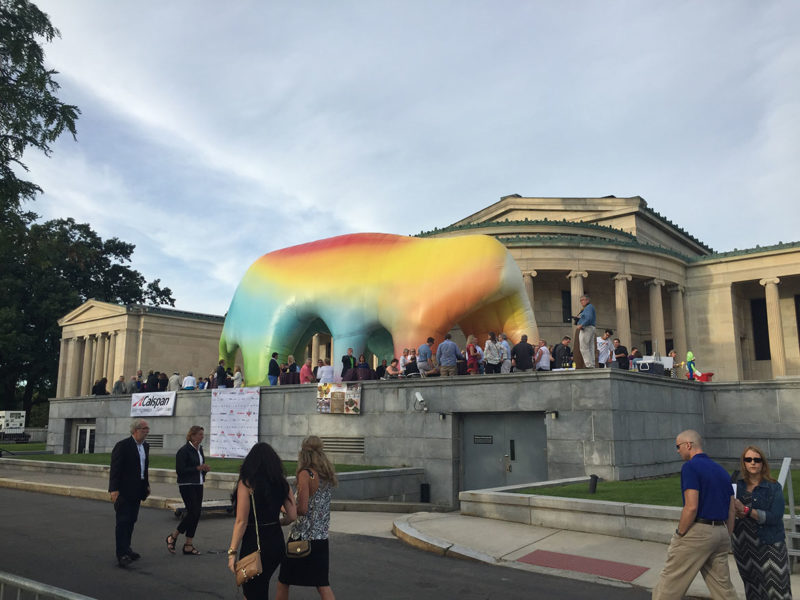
x=69, y=543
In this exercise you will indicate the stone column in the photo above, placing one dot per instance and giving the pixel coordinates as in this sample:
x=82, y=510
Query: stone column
x=100, y=357
x=73, y=372
x=678, y=319
x=621, y=304
x=576, y=289
x=528, y=279
x=657, y=334
x=112, y=357
x=774, y=322
x=62, y=368
x=314, y=350
x=86, y=372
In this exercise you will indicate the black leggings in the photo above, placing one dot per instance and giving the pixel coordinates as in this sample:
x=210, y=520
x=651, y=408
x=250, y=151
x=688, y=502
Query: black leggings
x=193, y=500
x=490, y=368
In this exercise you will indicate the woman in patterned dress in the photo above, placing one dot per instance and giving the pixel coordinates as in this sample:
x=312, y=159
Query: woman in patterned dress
x=472, y=355
x=316, y=479
x=759, y=541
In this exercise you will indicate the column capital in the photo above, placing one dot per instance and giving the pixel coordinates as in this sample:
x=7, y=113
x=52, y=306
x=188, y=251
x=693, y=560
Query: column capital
x=676, y=287
x=622, y=277
x=654, y=282
x=531, y=273
x=769, y=280
x=574, y=274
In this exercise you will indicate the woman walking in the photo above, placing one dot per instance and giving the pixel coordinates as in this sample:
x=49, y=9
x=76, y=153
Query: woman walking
x=759, y=541
x=316, y=479
x=191, y=469
x=262, y=490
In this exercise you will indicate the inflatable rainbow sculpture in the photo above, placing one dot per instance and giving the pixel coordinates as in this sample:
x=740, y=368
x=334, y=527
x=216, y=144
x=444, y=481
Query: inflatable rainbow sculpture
x=373, y=292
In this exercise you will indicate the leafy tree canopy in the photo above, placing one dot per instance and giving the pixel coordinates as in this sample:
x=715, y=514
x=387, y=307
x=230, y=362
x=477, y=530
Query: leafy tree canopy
x=30, y=113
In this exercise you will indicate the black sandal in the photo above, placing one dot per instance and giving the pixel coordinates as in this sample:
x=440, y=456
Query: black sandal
x=194, y=551
x=171, y=545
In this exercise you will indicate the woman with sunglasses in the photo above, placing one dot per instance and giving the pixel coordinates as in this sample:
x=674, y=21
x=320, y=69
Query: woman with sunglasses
x=759, y=541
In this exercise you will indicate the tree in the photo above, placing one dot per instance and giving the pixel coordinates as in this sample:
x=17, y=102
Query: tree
x=47, y=268
x=30, y=113
x=61, y=264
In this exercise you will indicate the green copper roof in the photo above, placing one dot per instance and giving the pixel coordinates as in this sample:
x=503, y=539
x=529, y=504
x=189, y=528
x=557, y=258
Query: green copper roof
x=588, y=227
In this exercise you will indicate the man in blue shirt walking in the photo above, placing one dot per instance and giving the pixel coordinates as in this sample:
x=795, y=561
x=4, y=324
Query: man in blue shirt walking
x=702, y=539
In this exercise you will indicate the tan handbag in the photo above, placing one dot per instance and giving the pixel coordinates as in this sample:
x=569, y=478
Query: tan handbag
x=297, y=548
x=249, y=566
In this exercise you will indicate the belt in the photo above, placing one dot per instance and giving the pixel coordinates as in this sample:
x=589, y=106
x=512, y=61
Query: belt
x=709, y=521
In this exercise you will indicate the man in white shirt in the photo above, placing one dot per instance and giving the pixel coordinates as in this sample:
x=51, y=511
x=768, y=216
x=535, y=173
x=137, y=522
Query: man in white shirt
x=605, y=349
x=189, y=382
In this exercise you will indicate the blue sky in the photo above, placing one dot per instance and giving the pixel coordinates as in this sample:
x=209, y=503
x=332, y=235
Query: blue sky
x=212, y=133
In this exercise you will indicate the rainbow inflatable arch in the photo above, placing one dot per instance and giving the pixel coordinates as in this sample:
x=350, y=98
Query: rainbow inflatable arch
x=373, y=292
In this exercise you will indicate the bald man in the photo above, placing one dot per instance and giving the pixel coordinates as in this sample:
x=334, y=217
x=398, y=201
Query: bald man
x=702, y=539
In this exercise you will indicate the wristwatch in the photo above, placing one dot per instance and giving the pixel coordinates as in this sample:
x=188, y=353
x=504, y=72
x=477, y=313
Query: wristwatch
x=678, y=533
x=231, y=551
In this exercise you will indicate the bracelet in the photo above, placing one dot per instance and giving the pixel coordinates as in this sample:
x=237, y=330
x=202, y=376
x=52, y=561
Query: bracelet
x=678, y=533
x=232, y=552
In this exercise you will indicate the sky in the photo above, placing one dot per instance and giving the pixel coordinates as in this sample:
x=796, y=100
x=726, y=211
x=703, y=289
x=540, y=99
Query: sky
x=212, y=133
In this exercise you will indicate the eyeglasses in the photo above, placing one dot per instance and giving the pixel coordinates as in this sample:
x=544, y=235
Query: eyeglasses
x=678, y=446
x=753, y=459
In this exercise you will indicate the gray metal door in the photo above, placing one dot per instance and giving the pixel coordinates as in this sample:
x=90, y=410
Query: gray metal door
x=503, y=449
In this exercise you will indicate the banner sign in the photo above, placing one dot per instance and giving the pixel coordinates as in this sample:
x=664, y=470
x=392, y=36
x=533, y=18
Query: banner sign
x=339, y=398
x=234, y=421
x=153, y=404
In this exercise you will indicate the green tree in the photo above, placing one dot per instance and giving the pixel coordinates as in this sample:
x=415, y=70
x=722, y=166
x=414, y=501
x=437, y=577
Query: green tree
x=30, y=113
x=60, y=264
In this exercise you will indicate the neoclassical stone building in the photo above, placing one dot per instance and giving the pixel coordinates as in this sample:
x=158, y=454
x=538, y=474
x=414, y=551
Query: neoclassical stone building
x=99, y=339
x=654, y=284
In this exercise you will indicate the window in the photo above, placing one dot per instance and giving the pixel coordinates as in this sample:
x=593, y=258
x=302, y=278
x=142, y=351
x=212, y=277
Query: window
x=566, y=307
x=758, y=314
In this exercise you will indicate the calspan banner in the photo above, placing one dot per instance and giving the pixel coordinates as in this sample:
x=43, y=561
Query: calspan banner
x=153, y=404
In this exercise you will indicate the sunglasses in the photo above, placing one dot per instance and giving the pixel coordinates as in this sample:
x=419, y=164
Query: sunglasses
x=753, y=459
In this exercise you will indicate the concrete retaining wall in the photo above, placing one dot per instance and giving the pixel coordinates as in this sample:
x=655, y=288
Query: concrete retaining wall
x=619, y=519
x=618, y=425
x=385, y=485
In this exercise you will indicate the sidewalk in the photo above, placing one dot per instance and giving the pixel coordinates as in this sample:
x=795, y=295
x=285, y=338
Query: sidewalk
x=589, y=557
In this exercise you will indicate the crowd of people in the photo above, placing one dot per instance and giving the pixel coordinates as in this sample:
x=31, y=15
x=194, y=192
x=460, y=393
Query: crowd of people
x=498, y=355
x=262, y=499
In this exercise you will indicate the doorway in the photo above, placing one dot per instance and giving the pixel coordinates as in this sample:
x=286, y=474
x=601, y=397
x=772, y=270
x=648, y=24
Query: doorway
x=84, y=440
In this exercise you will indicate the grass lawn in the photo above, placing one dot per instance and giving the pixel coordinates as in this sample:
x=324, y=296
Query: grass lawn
x=30, y=446
x=219, y=465
x=661, y=491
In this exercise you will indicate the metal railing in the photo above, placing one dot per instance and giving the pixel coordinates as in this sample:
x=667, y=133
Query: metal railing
x=785, y=479
x=14, y=587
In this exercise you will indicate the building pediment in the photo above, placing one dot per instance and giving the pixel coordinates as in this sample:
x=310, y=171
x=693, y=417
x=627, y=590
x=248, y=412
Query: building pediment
x=92, y=310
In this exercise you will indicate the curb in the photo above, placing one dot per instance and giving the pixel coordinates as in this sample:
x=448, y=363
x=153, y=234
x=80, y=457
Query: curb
x=409, y=534
x=78, y=492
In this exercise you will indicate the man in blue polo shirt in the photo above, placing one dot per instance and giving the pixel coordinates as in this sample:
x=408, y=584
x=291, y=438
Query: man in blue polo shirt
x=702, y=540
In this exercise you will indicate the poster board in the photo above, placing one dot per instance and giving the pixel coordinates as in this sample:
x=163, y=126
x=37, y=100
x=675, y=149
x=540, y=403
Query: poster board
x=153, y=404
x=234, y=421
x=339, y=398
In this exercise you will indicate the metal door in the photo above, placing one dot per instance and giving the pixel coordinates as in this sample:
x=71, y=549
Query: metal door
x=502, y=449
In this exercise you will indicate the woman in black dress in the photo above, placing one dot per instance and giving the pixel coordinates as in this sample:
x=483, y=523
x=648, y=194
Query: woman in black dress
x=316, y=479
x=261, y=477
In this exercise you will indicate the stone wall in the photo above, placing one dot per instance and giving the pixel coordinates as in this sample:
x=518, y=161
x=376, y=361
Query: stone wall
x=618, y=425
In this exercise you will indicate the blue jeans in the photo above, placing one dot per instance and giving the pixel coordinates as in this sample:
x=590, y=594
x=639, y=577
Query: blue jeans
x=273, y=379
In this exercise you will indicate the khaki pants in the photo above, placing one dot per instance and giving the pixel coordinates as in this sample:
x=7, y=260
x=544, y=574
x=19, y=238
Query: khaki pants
x=588, y=345
x=446, y=371
x=704, y=548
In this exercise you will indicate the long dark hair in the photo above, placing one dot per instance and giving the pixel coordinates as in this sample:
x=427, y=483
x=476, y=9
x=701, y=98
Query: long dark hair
x=262, y=471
